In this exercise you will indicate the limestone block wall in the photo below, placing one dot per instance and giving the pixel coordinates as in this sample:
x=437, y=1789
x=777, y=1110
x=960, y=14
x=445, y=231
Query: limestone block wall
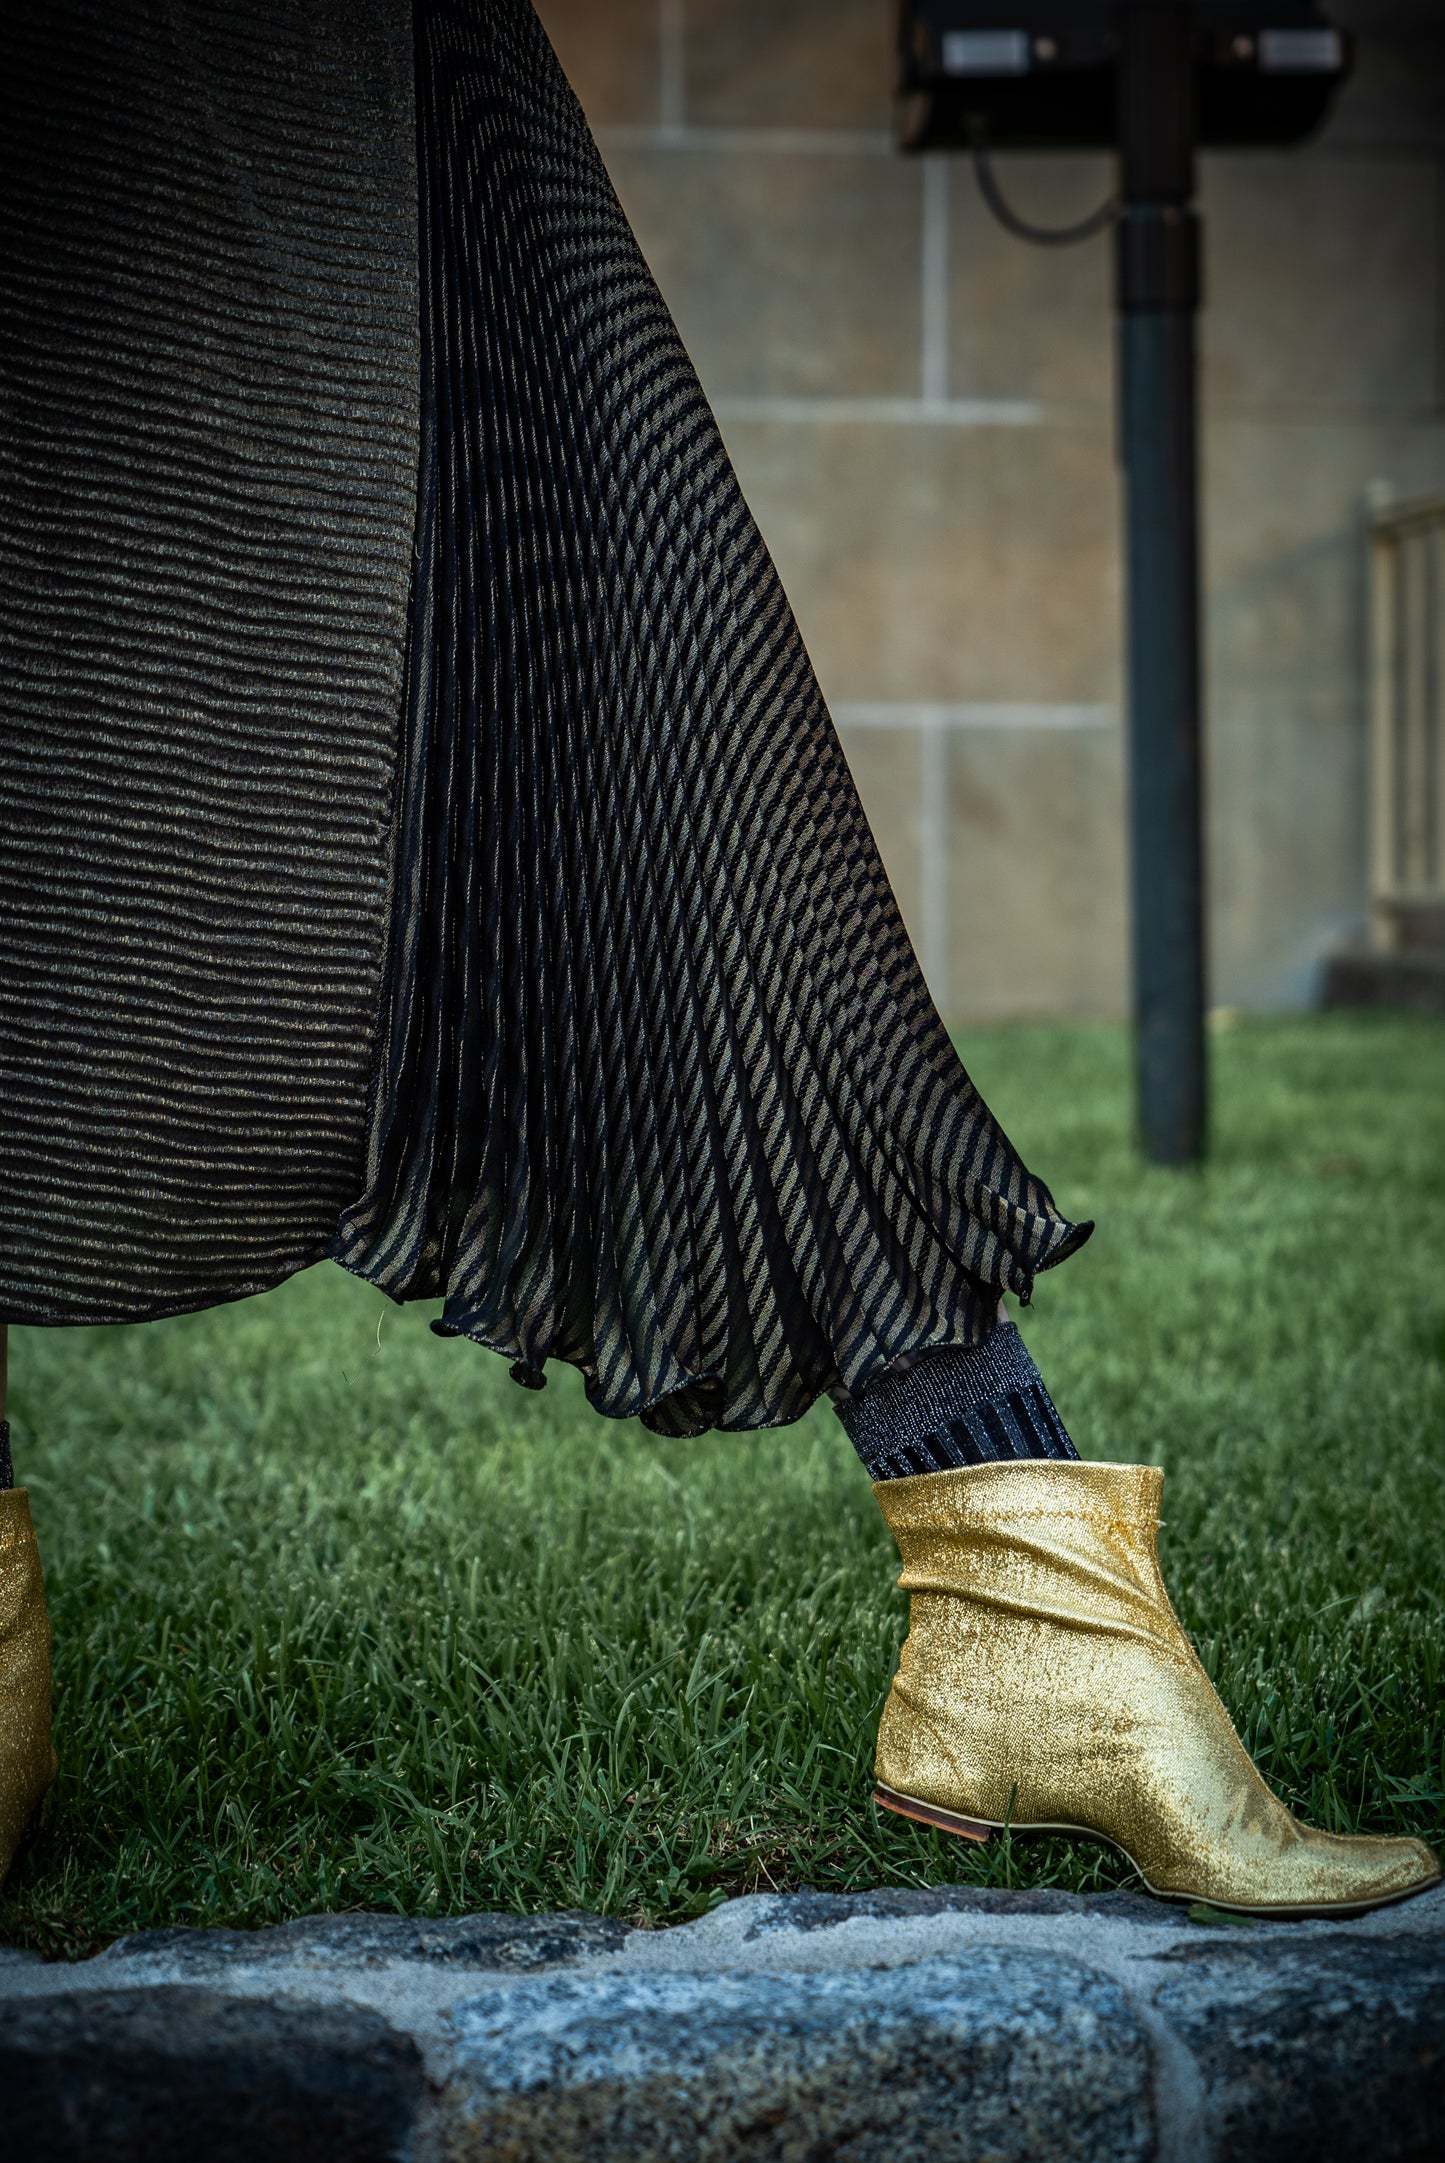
x=921, y=412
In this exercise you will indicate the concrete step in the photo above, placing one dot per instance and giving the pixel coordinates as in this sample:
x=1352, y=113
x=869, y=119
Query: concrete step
x=880, y=2027
x=1412, y=979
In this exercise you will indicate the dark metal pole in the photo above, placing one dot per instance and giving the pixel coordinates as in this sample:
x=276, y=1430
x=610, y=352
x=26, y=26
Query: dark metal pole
x=1158, y=236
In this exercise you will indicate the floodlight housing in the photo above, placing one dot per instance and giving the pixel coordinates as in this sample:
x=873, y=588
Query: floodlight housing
x=1044, y=74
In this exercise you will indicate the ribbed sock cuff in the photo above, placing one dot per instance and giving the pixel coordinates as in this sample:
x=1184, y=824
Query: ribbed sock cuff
x=974, y=1405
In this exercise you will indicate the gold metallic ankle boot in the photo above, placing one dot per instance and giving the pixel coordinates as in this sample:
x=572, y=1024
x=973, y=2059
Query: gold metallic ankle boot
x=27, y=1762
x=1046, y=1684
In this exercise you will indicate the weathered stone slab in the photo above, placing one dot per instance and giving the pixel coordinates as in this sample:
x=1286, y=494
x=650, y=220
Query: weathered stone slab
x=997, y=2054
x=826, y=1911
x=895, y=2023
x=176, y=2075
x=367, y=1941
x=1327, y=2050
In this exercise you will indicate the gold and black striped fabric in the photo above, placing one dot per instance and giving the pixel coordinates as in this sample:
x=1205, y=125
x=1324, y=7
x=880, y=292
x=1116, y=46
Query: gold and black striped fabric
x=208, y=449
x=421, y=835
x=660, y=1091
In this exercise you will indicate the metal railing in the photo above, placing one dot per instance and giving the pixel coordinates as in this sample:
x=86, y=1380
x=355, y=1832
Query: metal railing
x=1407, y=721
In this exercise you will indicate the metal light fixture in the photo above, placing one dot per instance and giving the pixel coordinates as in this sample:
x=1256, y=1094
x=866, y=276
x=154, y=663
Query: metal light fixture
x=1044, y=74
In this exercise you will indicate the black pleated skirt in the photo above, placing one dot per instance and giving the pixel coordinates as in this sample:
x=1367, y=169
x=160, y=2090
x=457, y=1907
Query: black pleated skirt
x=474, y=888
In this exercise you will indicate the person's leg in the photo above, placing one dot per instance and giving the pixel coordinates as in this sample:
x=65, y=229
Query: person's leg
x=27, y=1761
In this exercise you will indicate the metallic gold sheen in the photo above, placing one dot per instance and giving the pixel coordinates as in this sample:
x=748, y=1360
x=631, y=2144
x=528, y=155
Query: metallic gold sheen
x=27, y=1762
x=1046, y=1683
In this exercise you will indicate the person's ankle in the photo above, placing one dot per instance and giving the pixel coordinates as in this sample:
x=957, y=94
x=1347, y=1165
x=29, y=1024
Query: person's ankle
x=961, y=1405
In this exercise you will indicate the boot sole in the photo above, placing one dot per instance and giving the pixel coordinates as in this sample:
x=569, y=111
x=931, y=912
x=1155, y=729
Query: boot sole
x=949, y=1821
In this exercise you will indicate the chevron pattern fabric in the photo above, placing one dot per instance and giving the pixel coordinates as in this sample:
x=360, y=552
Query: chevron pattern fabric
x=660, y=1089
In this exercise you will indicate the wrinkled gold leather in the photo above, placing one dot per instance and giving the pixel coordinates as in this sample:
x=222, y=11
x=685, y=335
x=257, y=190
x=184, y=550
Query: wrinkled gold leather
x=1046, y=1682
x=27, y=1762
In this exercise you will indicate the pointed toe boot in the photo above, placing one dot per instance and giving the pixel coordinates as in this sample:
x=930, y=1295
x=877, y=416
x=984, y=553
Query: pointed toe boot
x=1046, y=1684
x=27, y=1762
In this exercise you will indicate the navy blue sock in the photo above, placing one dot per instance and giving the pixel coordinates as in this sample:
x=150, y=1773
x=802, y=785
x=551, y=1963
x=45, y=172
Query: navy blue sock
x=978, y=1405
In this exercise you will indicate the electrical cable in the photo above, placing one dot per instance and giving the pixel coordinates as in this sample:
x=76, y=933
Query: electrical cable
x=1042, y=236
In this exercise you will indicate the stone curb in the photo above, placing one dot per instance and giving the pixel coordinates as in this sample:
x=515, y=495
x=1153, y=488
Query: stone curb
x=955, y=2026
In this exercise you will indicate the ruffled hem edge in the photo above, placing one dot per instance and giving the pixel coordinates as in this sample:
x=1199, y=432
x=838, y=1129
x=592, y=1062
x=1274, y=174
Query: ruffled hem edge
x=680, y=1413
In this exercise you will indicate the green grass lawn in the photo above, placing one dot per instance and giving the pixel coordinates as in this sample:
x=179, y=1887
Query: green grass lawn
x=345, y=1619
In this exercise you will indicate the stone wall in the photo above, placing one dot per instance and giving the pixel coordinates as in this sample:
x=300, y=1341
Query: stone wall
x=920, y=409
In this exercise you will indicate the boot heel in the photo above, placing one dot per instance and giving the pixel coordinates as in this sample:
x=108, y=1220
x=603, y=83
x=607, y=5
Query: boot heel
x=943, y=1821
